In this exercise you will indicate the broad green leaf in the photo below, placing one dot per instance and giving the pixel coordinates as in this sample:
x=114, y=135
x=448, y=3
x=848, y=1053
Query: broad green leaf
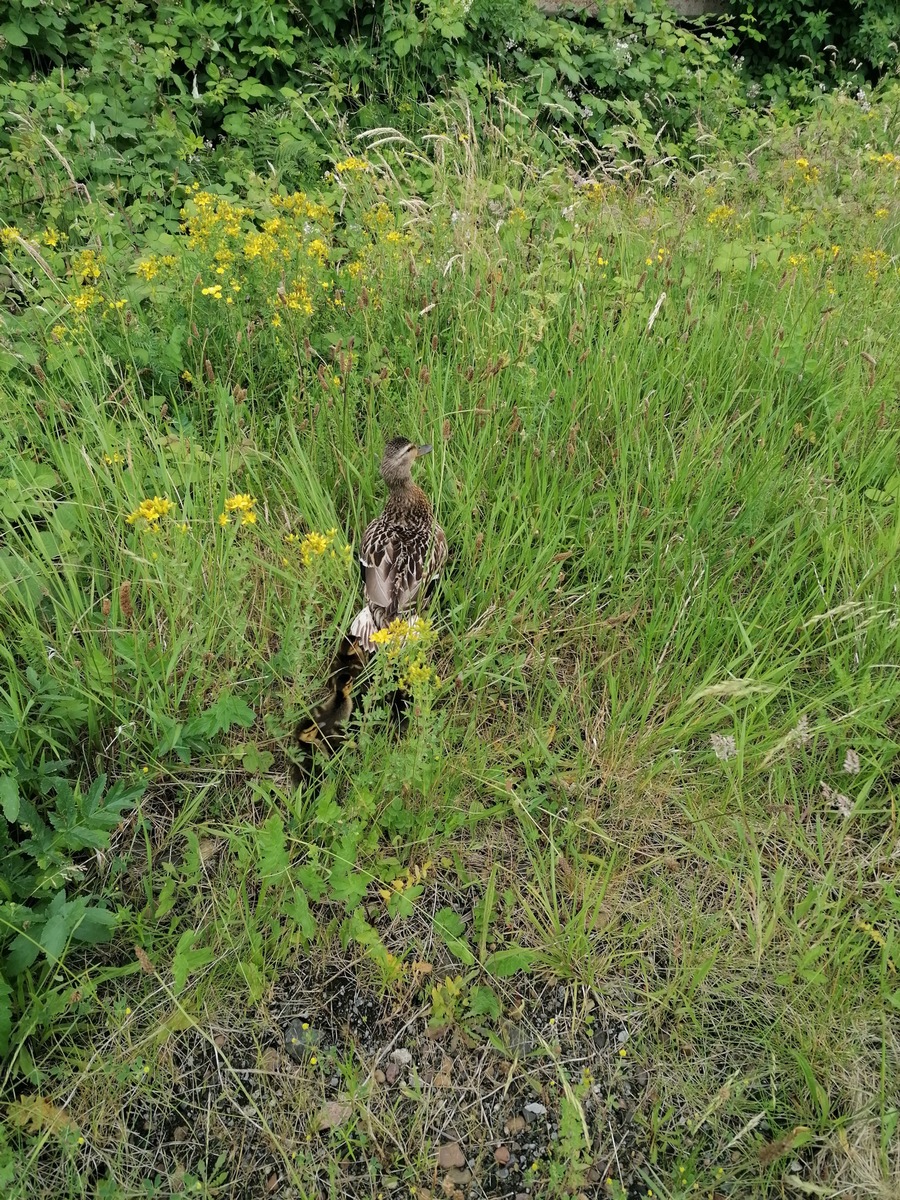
x=507, y=962
x=9, y=797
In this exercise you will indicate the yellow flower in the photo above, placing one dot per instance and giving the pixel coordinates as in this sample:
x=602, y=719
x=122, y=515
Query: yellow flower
x=83, y=301
x=802, y=163
x=150, y=511
x=721, y=215
x=187, y=377
x=241, y=502
x=249, y=518
x=276, y=321
x=318, y=250
x=148, y=268
x=314, y=545
x=601, y=261
x=86, y=265
x=9, y=234
x=224, y=519
x=351, y=164
x=881, y=213
x=51, y=236
x=215, y=291
x=113, y=460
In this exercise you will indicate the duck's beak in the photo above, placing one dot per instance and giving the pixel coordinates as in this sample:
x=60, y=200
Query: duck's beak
x=420, y=450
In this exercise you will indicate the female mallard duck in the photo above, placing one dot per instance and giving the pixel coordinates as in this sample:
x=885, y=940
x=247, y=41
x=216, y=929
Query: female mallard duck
x=403, y=551
x=402, y=554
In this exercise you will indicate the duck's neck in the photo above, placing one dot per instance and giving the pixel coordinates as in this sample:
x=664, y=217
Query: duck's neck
x=406, y=495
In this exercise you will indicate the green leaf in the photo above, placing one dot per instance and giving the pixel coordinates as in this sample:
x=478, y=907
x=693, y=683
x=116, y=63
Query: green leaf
x=483, y=1002
x=188, y=960
x=450, y=926
x=298, y=909
x=6, y=1014
x=231, y=710
x=9, y=797
x=256, y=761
x=96, y=925
x=504, y=963
x=273, y=856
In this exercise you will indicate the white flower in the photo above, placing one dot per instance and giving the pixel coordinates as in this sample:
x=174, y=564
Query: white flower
x=851, y=763
x=724, y=746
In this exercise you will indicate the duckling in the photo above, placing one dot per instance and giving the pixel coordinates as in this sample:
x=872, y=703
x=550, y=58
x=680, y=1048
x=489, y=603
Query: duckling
x=324, y=731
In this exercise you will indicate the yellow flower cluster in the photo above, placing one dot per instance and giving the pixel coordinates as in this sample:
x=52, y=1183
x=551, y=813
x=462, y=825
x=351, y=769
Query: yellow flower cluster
x=658, y=258
x=518, y=215
x=314, y=545
x=85, y=300
x=52, y=237
x=594, y=191
x=401, y=631
x=115, y=460
x=891, y=161
x=151, y=511
x=351, y=164
x=86, y=265
x=8, y=235
x=810, y=172
x=298, y=298
x=241, y=505
x=721, y=215
x=874, y=261
x=418, y=675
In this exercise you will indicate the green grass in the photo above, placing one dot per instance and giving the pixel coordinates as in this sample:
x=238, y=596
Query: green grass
x=666, y=531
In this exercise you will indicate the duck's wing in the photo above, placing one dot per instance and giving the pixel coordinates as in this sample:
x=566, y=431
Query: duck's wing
x=396, y=562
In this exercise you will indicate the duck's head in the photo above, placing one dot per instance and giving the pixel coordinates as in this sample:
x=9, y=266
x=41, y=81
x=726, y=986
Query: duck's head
x=397, y=460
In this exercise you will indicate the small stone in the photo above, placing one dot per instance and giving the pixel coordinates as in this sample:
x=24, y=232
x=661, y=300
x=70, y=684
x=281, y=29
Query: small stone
x=391, y=1072
x=501, y=1156
x=333, y=1114
x=401, y=1057
x=271, y=1060
x=451, y=1155
x=533, y=1111
x=459, y=1177
x=379, y=1076
x=514, y=1125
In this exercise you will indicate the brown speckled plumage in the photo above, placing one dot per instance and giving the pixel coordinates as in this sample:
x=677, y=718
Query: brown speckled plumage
x=403, y=551
x=401, y=555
